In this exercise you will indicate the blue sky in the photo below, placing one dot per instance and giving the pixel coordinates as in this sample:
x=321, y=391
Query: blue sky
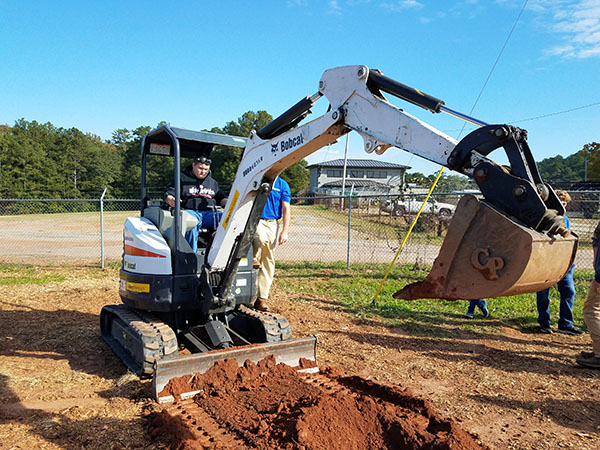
x=100, y=66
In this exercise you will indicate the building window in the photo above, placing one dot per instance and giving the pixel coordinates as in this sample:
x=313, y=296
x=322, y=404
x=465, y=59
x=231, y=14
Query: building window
x=356, y=173
x=334, y=173
x=376, y=173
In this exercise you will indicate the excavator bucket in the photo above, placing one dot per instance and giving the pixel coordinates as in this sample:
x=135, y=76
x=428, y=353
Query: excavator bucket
x=486, y=254
x=289, y=352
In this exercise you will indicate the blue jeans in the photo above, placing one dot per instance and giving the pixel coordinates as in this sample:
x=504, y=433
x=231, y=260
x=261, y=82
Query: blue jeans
x=566, y=289
x=482, y=304
x=206, y=219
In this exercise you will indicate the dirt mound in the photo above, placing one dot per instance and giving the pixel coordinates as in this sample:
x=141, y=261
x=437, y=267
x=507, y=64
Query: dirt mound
x=272, y=406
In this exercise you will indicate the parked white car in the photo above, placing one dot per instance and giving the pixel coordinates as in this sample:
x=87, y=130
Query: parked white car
x=411, y=205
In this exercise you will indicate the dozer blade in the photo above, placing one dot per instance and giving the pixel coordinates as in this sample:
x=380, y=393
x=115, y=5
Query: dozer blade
x=486, y=254
x=288, y=352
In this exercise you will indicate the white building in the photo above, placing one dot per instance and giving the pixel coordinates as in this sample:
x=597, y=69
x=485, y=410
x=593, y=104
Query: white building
x=363, y=176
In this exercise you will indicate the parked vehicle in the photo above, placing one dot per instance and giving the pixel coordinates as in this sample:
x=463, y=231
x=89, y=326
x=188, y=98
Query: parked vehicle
x=411, y=205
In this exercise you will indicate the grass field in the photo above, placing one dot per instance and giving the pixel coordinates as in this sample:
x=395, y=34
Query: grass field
x=356, y=287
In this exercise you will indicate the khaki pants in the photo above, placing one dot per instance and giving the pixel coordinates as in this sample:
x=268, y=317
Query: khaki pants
x=591, y=316
x=265, y=240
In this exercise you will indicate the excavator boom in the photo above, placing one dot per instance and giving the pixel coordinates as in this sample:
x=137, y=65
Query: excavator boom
x=516, y=203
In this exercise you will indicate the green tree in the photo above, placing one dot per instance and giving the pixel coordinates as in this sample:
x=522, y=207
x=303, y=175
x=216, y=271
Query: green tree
x=28, y=171
x=40, y=160
x=227, y=159
x=591, y=153
x=418, y=178
x=89, y=164
x=297, y=176
x=128, y=144
x=558, y=169
x=446, y=183
x=451, y=183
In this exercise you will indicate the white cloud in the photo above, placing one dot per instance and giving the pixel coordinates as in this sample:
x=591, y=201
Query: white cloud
x=564, y=50
x=578, y=24
x=401, y=5
x=300, y=3
x=334, y=8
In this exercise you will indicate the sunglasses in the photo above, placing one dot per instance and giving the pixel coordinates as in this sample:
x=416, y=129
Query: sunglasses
x=203, y=160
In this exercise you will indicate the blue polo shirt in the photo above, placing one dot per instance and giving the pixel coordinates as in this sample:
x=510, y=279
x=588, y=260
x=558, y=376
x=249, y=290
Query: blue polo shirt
x=279, y=193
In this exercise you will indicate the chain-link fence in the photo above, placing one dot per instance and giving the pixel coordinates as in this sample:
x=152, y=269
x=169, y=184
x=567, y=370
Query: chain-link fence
x=65, y=231
x=323, y=229
x=372, y=228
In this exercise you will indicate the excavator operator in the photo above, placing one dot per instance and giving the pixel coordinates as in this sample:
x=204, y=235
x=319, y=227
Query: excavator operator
x=200, y=196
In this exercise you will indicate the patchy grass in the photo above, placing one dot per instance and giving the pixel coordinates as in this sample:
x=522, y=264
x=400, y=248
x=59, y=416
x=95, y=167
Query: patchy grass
x=25, y=274
x=357, y=286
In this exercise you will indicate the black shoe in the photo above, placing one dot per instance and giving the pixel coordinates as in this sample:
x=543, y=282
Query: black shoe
x=592, y=363
x=573, y=331
x=586, y=355
x=546, y=330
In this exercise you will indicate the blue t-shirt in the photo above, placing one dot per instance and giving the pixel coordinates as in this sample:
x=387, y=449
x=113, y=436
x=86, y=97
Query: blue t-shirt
x=279, y=193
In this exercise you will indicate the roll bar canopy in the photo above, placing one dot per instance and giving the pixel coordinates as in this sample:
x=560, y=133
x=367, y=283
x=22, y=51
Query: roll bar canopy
x=164, y=140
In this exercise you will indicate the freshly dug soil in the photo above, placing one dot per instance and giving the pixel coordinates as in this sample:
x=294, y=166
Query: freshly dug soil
x=273, y=406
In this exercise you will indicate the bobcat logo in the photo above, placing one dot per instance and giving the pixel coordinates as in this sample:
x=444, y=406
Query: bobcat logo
x=274, y=147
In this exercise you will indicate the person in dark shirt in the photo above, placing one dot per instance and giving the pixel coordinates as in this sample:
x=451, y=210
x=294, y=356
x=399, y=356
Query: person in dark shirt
x=200, y=196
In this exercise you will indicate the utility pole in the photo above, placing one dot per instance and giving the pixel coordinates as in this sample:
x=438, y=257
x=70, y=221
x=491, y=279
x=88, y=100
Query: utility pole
x=344, y=170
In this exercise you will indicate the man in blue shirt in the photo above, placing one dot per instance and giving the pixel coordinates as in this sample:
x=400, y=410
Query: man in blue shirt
x=269, y=233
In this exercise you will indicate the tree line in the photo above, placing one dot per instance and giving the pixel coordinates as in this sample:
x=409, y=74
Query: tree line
x=43, y=161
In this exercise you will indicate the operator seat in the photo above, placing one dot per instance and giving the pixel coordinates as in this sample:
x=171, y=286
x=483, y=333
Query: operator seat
x=164, y=221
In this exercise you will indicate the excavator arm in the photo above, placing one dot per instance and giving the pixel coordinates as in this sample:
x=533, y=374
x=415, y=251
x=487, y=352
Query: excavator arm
x=518, y=206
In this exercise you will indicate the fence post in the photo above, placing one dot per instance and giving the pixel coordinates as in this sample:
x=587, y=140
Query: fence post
x=349, y=227
x=102, y=229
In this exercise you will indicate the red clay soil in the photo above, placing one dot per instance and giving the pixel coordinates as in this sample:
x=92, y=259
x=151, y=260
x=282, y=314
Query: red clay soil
x=273, y=406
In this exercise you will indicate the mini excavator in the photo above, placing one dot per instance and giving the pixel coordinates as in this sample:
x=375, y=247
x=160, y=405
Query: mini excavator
x=182, y=310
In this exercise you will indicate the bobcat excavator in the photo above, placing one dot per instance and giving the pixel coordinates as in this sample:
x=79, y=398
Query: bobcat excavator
x=199, y=304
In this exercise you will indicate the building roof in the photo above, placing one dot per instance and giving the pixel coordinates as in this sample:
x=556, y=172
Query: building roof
x=360, y=163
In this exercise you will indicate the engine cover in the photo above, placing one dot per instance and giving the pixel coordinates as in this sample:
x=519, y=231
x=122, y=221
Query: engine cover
x=145, y=250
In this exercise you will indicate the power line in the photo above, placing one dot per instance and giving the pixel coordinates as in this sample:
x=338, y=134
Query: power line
x=558, y=112
x=577, y=108
x=495, y=64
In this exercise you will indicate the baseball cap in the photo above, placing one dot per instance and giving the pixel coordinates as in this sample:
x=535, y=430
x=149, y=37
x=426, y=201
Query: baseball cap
x=203, y=160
